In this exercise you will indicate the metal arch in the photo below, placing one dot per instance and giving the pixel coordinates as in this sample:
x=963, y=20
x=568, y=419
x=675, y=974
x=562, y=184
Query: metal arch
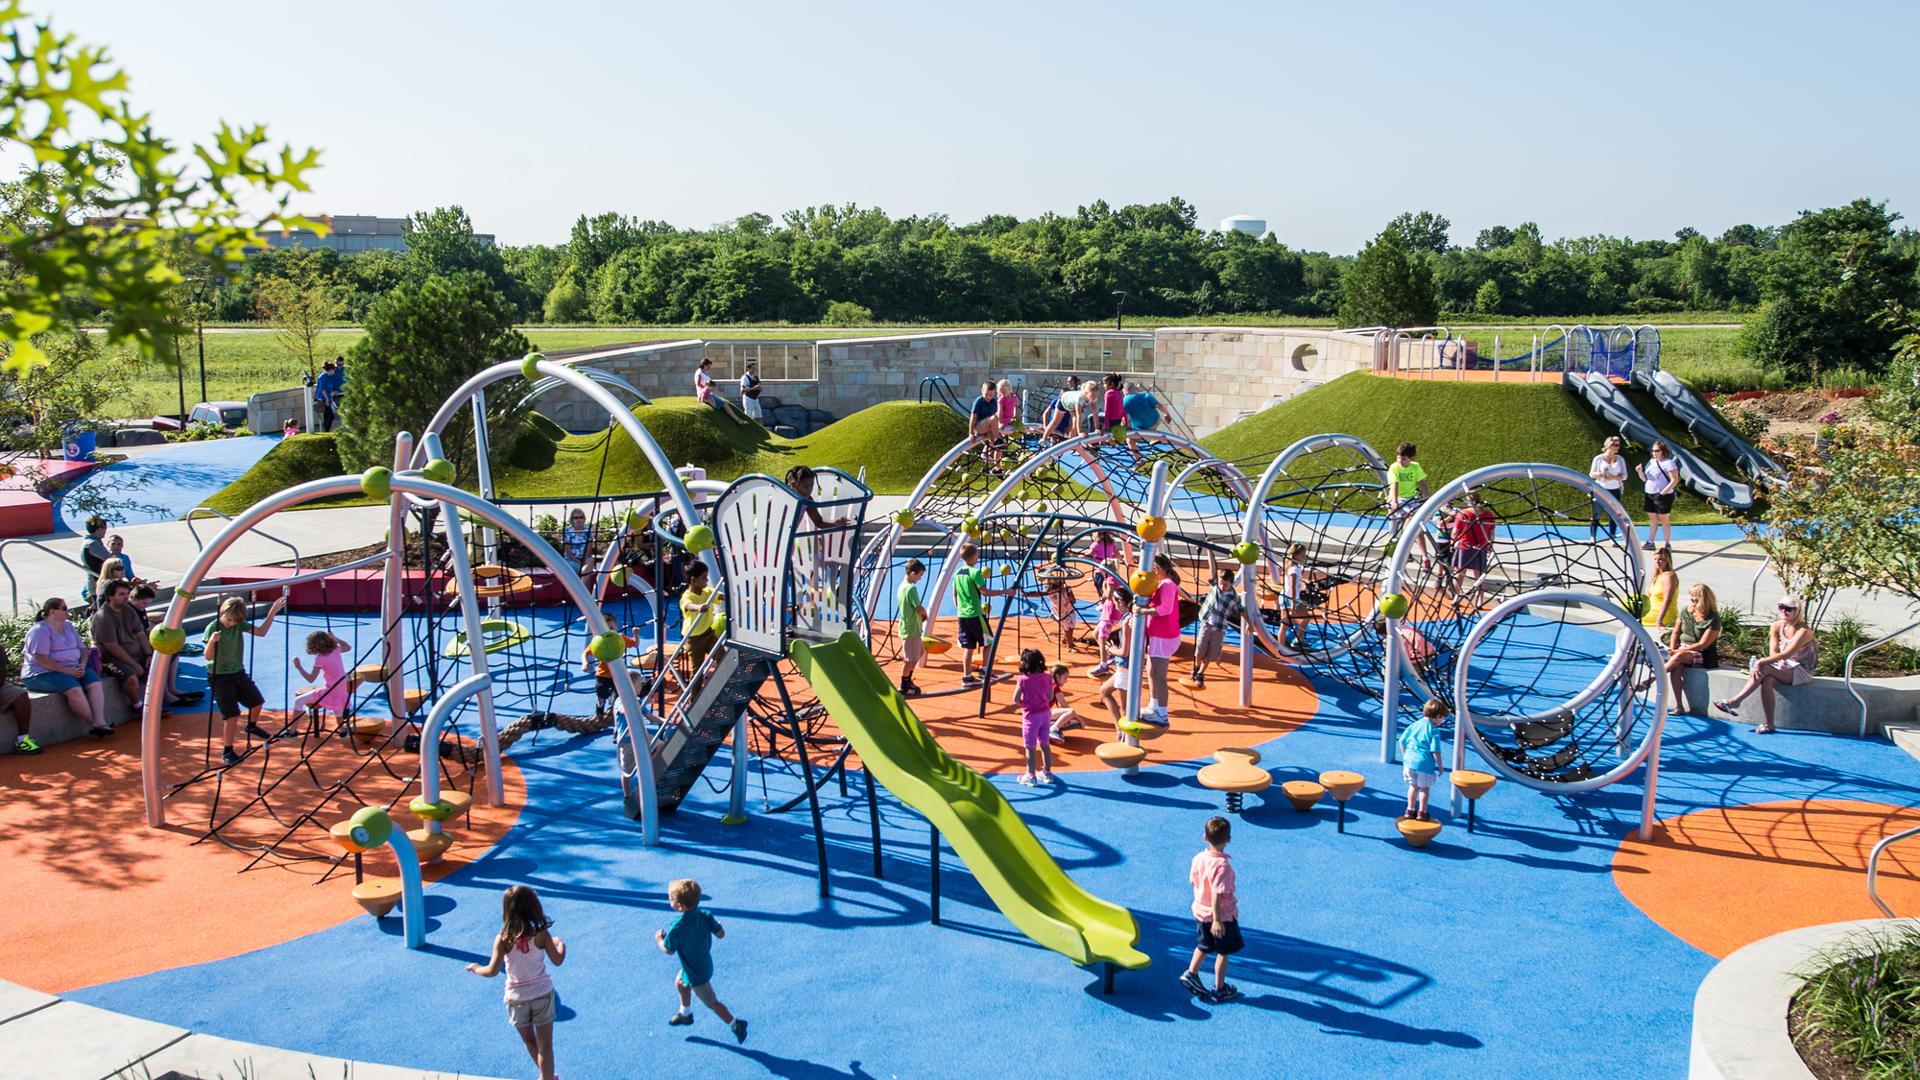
x=408, y=484
x=1647, y=753
x=1397, y=662
x=1254, y=529
x=599, y=375
x=663, y=467
x=888, y=538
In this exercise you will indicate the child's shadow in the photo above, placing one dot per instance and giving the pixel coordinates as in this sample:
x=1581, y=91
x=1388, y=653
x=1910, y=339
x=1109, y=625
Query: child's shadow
x=788, y=1068
x=562, y=1012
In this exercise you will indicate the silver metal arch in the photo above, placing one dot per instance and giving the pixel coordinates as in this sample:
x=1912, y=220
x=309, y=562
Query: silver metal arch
x=1253, y=530
x=1648, y=752
x=405, y=483
x=550, y=384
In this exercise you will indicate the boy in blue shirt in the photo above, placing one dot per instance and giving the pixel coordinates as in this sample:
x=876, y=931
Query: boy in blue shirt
x=690, y=936
x=1420, y=748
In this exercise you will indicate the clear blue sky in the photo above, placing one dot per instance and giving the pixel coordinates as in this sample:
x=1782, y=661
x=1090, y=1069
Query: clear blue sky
x=1324, y=118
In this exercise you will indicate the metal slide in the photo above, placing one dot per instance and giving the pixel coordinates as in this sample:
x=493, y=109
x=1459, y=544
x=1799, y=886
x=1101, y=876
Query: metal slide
x=1607, y=399
x=1685, y=406
x=1010, y=863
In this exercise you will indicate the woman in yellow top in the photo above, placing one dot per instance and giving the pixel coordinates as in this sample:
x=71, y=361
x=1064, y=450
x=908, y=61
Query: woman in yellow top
x=1663, y=594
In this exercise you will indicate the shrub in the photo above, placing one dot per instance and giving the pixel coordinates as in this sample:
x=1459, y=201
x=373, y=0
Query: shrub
x=1861, y=999
x=847, y=313
x=1748, y=423
x=1739, y=632
x=1841, y=637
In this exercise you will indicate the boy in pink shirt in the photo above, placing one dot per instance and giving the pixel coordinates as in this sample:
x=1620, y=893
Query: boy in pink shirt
x=1218, y=913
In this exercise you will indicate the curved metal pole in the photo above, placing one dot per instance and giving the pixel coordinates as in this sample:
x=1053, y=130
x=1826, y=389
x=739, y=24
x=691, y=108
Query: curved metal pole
x=1855, y=655
x=1873, y=869
x=1137, y=644
x=479, y=683
x=195, y=533
x=476, y=652
x=392, y=582
x=413, y=915
x=150, y=733
x=13, y=584
x=599, y=375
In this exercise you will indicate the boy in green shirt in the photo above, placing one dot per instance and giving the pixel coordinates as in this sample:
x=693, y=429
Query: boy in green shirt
x=913, y=619
x=227, y=677
x=969, y=586
x=1406, y=490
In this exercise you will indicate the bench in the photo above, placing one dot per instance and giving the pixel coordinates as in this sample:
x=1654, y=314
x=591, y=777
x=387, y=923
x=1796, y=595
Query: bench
x=1820, y=705
x=54, y=723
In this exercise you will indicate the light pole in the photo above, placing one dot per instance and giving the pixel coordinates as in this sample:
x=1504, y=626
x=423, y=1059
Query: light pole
x=200, y=338
x=180, y=376
x=1119, y=302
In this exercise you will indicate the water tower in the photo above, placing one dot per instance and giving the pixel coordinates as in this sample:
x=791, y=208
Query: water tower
x=1252, y=226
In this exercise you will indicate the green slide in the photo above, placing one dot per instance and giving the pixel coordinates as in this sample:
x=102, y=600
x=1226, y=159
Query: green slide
x=1008, y=860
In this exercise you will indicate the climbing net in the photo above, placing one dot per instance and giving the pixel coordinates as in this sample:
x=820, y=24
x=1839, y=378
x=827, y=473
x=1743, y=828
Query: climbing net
x=1459, y=563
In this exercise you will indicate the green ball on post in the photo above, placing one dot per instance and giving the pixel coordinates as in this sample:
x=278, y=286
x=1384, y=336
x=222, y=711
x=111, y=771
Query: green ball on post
x=700, y=539
x=439, y=470
x=167, y=640
x=1393, y=605
x=369, y=827
x=377, y=482
x=530, y=366
x=608, y=647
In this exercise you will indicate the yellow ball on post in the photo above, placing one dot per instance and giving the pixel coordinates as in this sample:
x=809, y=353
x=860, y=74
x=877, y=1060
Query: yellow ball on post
x=1142, y=582
x=904, y=518
x=608, y=647
x=377, y=482
x=529, y=366
x=369, y=827
x=439, y=470
x=167, y=640
x=1151, y=529
x=700, y=539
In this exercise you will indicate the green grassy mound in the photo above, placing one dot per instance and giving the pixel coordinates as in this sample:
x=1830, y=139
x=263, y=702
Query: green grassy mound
x=1458, y=426
x=896, y=441
x=296, y=460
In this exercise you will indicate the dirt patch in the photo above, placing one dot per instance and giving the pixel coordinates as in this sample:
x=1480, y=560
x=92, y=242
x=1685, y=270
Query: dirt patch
x=1796, y=412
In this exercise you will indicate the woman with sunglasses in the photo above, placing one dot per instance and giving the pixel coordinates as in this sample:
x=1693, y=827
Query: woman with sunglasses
x=1661, y=474
x=1795, y=653
x=57, y=664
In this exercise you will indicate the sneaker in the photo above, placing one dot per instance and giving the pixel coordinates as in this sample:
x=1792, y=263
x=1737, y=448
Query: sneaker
x=969, y=682
x=1047, y=778
x=258, y=732
x=1199, y=681
x=1056, y=738
x=1026, y=779
x=25, y=745
x=1425, y=815
x=101, y=732
x=739, y=1029
x=908, y=689
x=1648, y=546
x=1191, y=983
x=680, y=1019
x=228, y=757
x=1727, y=707
x=189, y=697
x=1226, y=992
x=1100, y=671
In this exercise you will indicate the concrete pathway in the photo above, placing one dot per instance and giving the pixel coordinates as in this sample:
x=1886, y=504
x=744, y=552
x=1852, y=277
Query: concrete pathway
x=48, y=1037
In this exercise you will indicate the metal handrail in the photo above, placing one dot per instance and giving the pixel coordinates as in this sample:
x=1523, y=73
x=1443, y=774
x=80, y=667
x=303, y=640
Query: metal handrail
x=936, y=389
x=1716, y=551
x=1753, y=588
x=1855, y=655
x=14, y=585
x=200, y=546
x=1873, y=869
x=217, y=586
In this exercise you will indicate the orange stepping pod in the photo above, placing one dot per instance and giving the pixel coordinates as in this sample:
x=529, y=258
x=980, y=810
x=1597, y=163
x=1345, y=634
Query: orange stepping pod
x=377, y=895
x=1121, y=755
x=1238, y=778
x=1237, y=753
x=368, y=728
x=1472, y=783
x=1342, y=784
x=429, y=845
x=1418, y=833
x=1303, y=794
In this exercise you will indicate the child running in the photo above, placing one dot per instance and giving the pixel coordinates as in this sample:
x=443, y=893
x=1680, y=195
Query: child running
x=522, y=947
x=1222, y=608
x=690, y=937
x=1419, y=746
x=1035, y=694
x=1217, y=910
x=227, y=676
x=329, y=690
x=913, y=622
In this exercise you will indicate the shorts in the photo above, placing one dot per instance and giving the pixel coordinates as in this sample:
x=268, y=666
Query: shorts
x=1212, y=640
x=1795, y=670
x=115, y=670
x=531, y=1013
x=54, y=682
x=750, y=406
x=1161, y=648
x=1034, y=729
x=1417, y=780
x=973, y=631
x=1149, y=425
x=1226, y=944
x=1659, y=504
x=700, y=645
x=914, y=648
x=603, y=689
x=232, y=691
x=1474, y=559
x=10, y=693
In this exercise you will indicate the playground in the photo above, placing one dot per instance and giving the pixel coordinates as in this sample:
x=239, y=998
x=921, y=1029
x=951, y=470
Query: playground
x=514, y=708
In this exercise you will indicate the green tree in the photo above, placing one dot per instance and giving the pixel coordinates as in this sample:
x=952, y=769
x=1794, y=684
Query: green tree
x=442, y=241
x=568, y=301
x=1387, y=286
x=846, y=313
x=300, y=304
x=1833, y=274
x=421, y=342
x=1425, y=231
x=88, y=228
x=1486, y=299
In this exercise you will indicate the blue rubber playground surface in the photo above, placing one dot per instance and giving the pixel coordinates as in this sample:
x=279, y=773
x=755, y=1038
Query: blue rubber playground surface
x=1511, y=952
x=165, y=484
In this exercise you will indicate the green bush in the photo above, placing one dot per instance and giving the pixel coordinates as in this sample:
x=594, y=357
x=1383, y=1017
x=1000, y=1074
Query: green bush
x=1739, y=632
x=847, y=313
x=1861, y=999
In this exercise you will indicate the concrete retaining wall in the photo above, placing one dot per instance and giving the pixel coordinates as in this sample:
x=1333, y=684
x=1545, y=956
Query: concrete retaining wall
x=53, y=722
x=268, y=413
x=1821, y=705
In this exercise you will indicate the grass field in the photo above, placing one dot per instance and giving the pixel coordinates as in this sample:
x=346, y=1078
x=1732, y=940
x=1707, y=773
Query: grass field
x=243, y=362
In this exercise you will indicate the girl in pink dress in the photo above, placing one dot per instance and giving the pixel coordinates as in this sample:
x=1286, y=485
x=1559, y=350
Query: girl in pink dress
x=1035, y=694
x=1009, y=405
x=329, y=691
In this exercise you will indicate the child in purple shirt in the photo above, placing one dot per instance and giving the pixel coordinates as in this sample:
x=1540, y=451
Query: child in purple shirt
x=1035, y=694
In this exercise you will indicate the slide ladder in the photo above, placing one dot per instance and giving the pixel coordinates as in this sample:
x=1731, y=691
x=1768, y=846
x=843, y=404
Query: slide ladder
x=683, y=743
x=1611, y=403
x=1011, y=864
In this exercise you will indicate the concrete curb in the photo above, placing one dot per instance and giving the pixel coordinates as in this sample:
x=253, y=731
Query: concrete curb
x=1820, y=705
x=1740, y=1010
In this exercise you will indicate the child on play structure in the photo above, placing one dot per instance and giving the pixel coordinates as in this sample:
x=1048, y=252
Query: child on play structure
x=603, y=688
x=1036, y=694
x=970, y=615
x=1113, y=411
x=1106, y=633
x=1420, y=747
x=913, y=621
x=1057, y=586
x=690, y=936
x=1221, y=609
x=1064, y=717
x=1298, y=578
x=329, y=690
x=699, y=611
x=1216, y=908
x=522, y=947
x=227, y=676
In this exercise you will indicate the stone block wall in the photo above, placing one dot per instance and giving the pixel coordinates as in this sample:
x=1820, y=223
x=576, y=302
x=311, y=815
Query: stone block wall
x=268, y=413
x=1212, y=375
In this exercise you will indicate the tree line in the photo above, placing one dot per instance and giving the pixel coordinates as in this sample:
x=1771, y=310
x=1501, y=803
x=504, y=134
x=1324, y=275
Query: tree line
x=1820, y=289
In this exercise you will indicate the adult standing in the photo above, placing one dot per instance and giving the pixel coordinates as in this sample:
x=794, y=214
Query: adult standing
x=1661, y=475
x=326, y=393
x=750, y=385
x=1795, y=652
x=120, y=633
x=1609, y=470
x=57, y=664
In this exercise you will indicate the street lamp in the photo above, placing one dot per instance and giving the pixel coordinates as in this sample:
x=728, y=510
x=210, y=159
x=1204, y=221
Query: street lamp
x=1119, y=302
